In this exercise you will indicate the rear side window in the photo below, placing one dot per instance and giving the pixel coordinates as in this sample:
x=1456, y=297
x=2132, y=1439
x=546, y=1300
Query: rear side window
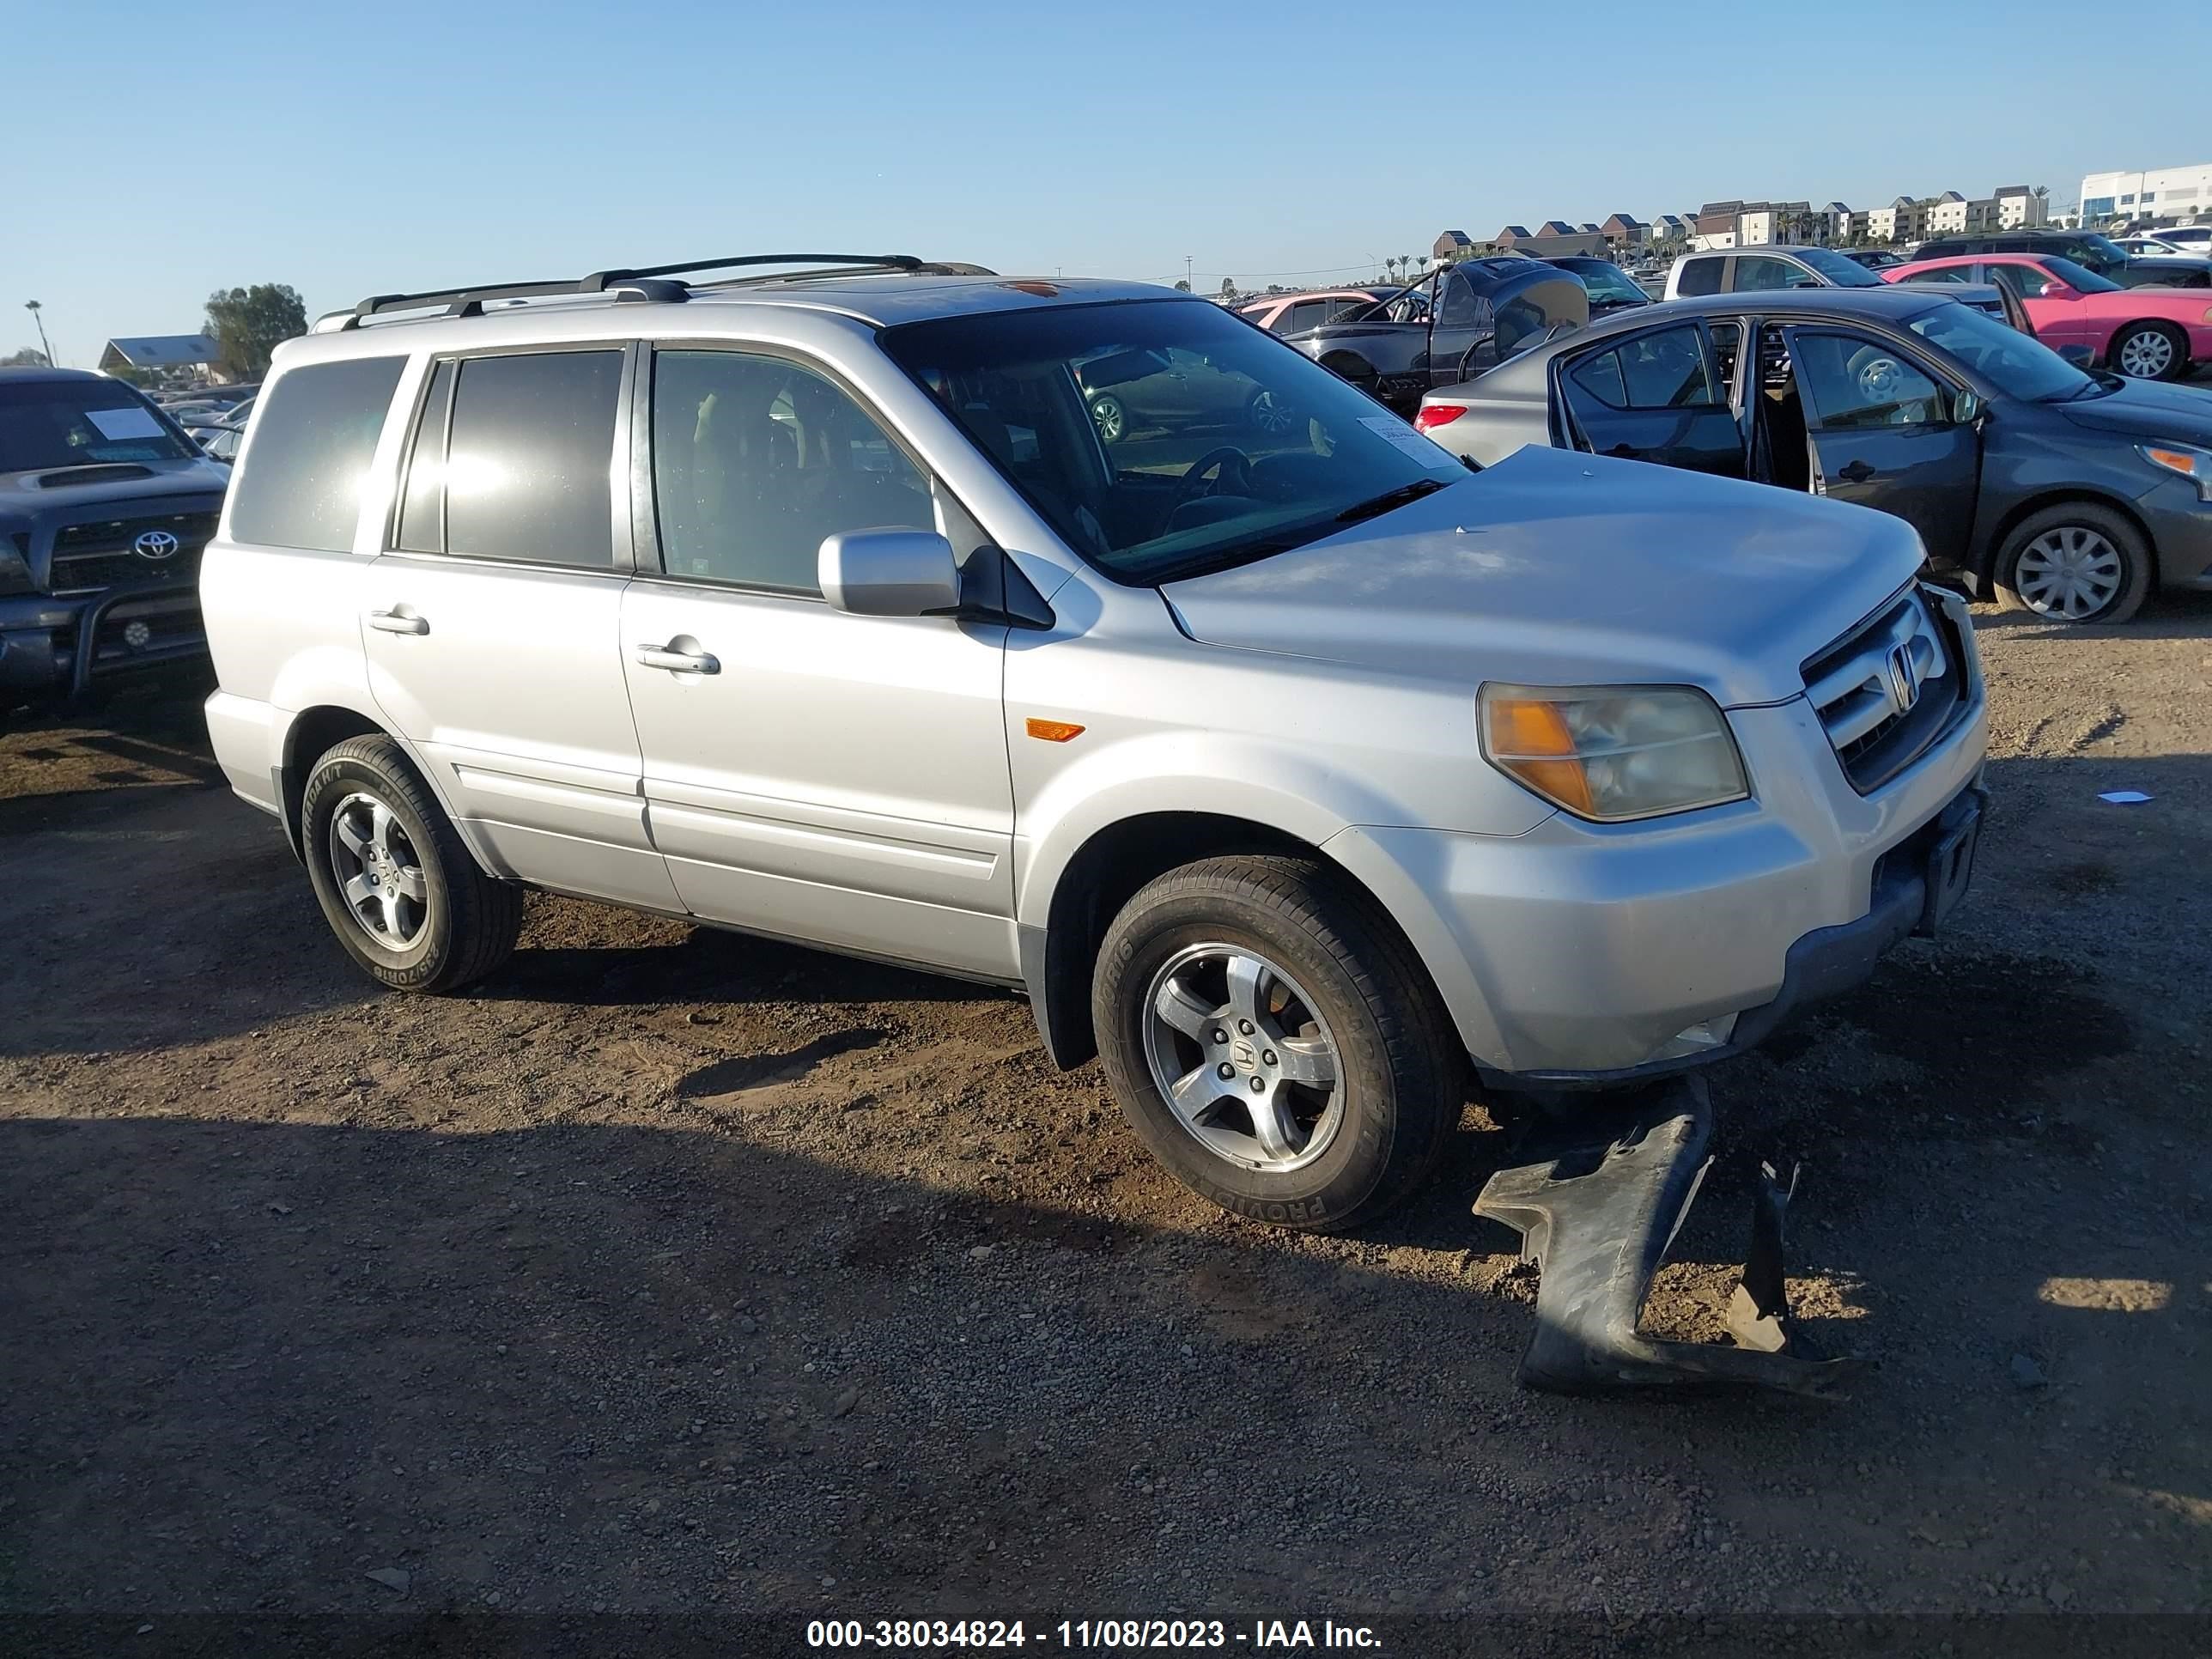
x=1665, y=370
x=314, y=436
x=1700, y=277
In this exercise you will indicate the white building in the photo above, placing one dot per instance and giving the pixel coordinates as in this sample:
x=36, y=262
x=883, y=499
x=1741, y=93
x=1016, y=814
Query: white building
x=2160, y=193
x=1949, y=212
x=2020, y=208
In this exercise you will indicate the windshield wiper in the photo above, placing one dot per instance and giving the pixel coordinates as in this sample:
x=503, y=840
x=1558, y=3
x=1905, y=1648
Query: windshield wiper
x=1390, y=499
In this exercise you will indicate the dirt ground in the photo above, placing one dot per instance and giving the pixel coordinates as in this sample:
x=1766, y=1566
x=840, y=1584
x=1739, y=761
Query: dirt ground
x=678, y=1273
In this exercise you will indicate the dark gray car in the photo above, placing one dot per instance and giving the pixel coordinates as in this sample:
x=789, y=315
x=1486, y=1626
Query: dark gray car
x=2065, y=492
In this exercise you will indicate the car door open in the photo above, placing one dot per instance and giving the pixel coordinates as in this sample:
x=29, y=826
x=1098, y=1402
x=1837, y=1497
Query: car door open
x=1887, y=432
x=1656, y=396
x=808, y=772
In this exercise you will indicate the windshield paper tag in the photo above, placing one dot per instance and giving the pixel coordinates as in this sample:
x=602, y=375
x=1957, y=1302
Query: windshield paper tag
x=1408, y=442
x=128, y=422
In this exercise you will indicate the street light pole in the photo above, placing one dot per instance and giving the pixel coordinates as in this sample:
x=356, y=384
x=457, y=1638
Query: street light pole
x=38, y=316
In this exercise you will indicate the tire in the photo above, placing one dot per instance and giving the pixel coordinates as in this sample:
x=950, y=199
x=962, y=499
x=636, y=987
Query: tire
x=2088, y=538
x=1337, y=980
x=454, y=923
x=2159, y=351
x=1264, y=413
x=1111, y=416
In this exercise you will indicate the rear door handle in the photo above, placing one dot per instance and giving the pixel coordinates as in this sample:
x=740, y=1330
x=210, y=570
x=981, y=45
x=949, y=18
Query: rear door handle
x=1857, y=472
x=397, y=622
x=682, y=662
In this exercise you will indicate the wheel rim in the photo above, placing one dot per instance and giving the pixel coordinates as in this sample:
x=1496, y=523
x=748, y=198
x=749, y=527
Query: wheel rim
x=380, y=874
x=1878, y=380
x=1242, y=1058
x=2072, y=572
x=1269, y=415
x=2146, y=355
x=1110, y=418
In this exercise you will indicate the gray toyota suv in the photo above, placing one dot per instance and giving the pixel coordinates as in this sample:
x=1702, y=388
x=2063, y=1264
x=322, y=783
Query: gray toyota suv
x=1305, y=777
x=104, y=508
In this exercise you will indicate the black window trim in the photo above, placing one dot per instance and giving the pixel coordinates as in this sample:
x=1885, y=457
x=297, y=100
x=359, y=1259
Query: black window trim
x=621, y=563
x=652, y=561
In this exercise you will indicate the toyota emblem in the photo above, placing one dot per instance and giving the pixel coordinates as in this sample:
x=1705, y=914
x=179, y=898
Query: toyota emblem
x=155, y=545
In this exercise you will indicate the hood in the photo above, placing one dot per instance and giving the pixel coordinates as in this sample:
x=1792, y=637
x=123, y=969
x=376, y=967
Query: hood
x=50, y=489
x=1558, y=568
x=2147, y=409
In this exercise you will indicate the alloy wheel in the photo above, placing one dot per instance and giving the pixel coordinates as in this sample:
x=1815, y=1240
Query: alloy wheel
x=2070, y=572
x=2147, y=354
x=1242, y=1058
x=380, y=874
x=1113, y=420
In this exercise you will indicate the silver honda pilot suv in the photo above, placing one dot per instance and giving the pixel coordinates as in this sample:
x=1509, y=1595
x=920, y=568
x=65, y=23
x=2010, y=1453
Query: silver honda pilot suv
x=1079, y=638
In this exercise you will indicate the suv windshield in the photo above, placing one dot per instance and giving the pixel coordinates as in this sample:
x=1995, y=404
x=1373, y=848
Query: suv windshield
x=2099, y=253
x=1840, y=271
x=1163, y=438
x=2015, y=364
x=49, y=424
x=1605, y=280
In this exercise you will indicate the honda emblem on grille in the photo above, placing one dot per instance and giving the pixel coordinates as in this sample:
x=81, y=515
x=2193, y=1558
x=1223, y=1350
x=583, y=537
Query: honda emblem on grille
x=1904, y=679
x=155, y=545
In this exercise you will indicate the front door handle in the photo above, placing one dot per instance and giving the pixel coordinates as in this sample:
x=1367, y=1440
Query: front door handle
x=397, y=622
x=1857, y=472
x=681, y=662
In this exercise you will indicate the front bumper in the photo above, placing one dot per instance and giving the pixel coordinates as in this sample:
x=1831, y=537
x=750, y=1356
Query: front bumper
x=2180, y=525
x=59, y=649
x=1586, y=955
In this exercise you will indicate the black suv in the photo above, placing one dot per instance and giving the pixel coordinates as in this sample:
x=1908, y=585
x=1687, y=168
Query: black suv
x=105, y=505
x=2084, y=247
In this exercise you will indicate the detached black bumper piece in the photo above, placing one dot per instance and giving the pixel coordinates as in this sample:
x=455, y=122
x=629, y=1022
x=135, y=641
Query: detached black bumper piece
x=1597, y=1201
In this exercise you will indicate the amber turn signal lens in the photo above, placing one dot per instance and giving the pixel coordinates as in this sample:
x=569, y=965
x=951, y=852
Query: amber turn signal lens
x=1052, y=731
x=1523, y=733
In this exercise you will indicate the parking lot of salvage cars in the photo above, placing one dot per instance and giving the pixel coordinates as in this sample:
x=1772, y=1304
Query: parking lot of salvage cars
x=676, y=1270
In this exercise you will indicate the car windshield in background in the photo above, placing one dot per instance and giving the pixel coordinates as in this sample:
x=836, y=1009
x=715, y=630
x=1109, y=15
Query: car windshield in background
x=1163, y=438
x=2102, y=253
x=2015, y=364
x=2080, y=278
x=1606, y=281
x=45, y=425
x=1843, y=273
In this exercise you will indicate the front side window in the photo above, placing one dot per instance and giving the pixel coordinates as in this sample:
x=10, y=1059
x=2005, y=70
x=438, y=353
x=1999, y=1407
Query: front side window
x=527, y=449
x=1669, y=369
x=313, y=442
x=1840, y=271
x=2077, y=277
x=1149, y=491
x=50, y=424
x=1851, y=383
x=757, y=459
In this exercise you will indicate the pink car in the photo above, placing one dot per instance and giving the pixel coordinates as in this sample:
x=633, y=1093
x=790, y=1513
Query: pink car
x=2147, y=333
x=1286, y=313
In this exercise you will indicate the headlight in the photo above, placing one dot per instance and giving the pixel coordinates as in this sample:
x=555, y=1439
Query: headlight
x=2192, y=464
x=14, y=564
x=1614, y=752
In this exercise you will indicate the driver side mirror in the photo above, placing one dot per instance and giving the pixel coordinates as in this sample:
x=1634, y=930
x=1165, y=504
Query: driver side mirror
x=889, y=573
x=1966, y=408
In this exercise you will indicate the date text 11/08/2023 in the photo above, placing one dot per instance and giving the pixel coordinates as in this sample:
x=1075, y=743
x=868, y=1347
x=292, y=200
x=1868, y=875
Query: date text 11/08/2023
x=1259, y=1636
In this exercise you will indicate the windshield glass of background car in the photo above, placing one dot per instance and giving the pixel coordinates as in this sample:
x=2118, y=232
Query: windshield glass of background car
x=47, y=424
x=2077, y=277
x=2010, y=361
x=2102, y=252
x=1843, y=273
x=1163, y=438
x=1607, y=282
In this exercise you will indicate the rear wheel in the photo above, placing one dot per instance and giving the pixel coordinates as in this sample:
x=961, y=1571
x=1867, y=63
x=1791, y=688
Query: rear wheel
x=1268, y=414
x=2149, y=351
x=1111, y=416
x=1274, y=1043
x=404, y=896
x=2074, y=563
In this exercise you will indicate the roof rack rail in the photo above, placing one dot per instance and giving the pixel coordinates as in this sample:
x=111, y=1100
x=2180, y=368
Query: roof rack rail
x=643, y=282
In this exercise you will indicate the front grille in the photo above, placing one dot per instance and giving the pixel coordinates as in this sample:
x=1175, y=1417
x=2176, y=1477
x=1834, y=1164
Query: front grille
x=1886, y=690
x=88, y=557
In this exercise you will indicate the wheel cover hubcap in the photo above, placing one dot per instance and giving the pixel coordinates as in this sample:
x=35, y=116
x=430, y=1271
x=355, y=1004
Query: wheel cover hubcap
x=2147, y=355
x=1242, y=1058
x=2071, y=571
x=380, y=875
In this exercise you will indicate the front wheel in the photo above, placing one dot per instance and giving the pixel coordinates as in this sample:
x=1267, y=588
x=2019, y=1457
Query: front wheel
x=2074, y=563
x=1275, y=1042
x=1111, y=416
x=396, y=885
x=2149, y=351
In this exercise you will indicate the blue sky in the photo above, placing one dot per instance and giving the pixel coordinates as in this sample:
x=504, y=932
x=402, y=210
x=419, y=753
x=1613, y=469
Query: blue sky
x=359, y=149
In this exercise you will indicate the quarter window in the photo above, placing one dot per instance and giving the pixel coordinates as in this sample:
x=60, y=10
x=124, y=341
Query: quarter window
x=757, y=459
x=1757, y=272
x=312, y=445
x=1699, y=277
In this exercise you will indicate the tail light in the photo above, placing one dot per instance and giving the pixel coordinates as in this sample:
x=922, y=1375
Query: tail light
x=1432, y=416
